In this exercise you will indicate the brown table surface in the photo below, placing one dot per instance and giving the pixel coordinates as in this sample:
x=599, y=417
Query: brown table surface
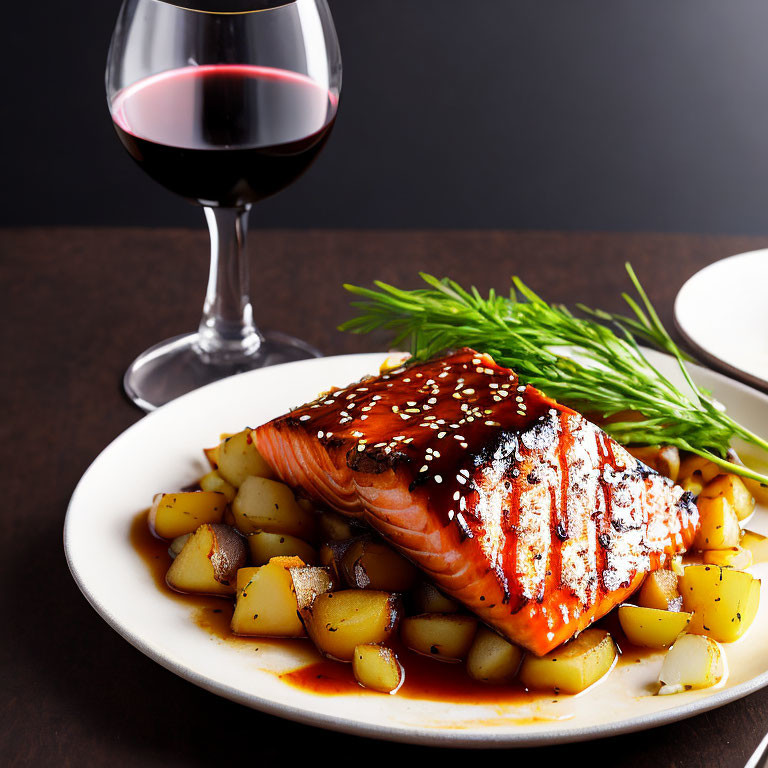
x=80, y=304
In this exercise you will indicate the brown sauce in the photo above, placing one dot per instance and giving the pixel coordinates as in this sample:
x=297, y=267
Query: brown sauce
x=425, y=678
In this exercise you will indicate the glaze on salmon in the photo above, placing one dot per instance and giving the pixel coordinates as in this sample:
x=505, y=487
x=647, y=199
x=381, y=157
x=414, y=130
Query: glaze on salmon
x=518, y=507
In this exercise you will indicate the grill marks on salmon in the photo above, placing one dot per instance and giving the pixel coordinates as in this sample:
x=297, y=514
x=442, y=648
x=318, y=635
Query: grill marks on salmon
x=520, y=508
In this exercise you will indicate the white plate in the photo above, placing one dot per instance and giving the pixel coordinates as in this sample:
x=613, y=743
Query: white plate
x=162, y=452
x=722, y=311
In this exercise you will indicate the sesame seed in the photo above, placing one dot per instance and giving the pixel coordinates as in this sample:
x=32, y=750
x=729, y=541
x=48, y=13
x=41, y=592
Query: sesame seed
x=441, y=435
x=438, y=479
x=320, y=435
x=456, y=495
x=424, y=469
x=305, y=417
x=469, y=391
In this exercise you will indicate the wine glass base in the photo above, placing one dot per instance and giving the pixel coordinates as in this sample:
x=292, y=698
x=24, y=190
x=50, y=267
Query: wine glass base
x=174, y=367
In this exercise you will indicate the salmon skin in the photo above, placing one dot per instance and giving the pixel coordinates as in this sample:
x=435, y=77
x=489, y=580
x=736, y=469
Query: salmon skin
x=514, y=505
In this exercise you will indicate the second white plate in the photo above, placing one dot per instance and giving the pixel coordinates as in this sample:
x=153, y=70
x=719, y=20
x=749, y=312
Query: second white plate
x=722, y=311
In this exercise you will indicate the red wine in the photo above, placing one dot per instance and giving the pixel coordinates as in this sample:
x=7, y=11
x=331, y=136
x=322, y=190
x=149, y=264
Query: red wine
x=224, y=134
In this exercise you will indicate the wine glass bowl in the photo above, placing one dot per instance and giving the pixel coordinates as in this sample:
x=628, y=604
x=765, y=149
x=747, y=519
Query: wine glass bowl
x=224, y=102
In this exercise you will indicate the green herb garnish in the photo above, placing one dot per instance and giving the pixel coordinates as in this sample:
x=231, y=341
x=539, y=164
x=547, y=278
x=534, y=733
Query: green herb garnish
x=579, y=361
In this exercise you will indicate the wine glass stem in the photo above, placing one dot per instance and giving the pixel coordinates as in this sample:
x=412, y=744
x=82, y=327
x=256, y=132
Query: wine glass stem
x=227, y=333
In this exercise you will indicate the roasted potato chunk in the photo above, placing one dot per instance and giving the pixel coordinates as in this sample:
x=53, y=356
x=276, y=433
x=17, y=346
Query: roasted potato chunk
x=377, y=667
x=177, y=545
x=239, y=458
x=573, y=666
x=737, y=557
x=757, y=544
x=309, y=582
x=267, y=505
x=368, y=564
x=213, y=481
x=492, y=658
x=660, y=591
x=174, y=514
x=334, y=527
x=697, y=468
x=427, y=598
x=719, y=524
x=723, y=601
x=731, y=487
x=337, y=622
x=266, y=604
x=265, y=545
x=208, y=562
x=692, y=662
x=665, y=459
x=651, y=627
x=442, y=636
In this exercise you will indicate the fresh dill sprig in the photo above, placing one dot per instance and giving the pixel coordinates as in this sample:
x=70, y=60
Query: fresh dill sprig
x=579, y=361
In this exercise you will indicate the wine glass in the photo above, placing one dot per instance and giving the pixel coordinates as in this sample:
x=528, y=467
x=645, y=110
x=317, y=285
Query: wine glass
x=224, y=102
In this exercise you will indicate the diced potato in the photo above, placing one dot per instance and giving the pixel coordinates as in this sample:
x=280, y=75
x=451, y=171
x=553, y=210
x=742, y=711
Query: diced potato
x=757, y=544
x=427, y=598
x=309, y=582
x=443, y=636
x=244, y=575
x=724, y=601
x=692, y=662
x=693, y=485
x=334, y=527
x=374, y=565
x=177, y=545
x=265, y=545
x=651, y=627
x=306, y=504
x=393, y=360
x=208, y=562
x=174, y=514
x=331, y=554
x=719, y=524
x=573, y=666
x=212, y=454
x=665, y=459
x=213, y=481
x=737, y=557
x=267, y=505
x=733, y=489
x=338, y=622
x=492, y=658
x=757, y=489
x=239, y=458
x=698, y=468
x=377, y=667
x=266, y=605
x=660, y=591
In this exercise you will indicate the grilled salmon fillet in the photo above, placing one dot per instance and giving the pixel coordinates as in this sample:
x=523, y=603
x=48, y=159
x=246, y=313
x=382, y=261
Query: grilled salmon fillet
x=518, y=507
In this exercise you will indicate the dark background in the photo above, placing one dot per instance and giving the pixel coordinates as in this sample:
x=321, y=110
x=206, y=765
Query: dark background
x=551, y=114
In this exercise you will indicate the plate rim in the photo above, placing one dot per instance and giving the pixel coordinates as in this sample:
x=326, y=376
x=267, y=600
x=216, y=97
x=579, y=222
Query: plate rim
x=757, y=382
x=398, y=733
